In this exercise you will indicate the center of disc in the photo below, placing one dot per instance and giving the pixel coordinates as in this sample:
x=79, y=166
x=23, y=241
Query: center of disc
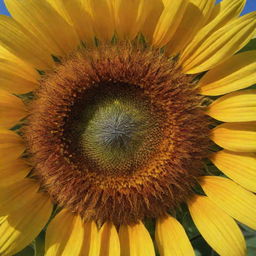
x=119, y=131
x=116, y=127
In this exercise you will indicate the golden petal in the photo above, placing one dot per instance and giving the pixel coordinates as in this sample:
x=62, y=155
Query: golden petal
x=12, y=109
x=64, y=235
x=135, y=240
x=238, y=137
x=168, y=232
x=231, y=198
x=238, y=72
x=218, y=229
x=35, y=16
x=235, y=107
x=210, y=48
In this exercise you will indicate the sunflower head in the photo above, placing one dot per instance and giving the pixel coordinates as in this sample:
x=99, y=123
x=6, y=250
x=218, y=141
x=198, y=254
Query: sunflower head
x=115, y=130
x=112, y=111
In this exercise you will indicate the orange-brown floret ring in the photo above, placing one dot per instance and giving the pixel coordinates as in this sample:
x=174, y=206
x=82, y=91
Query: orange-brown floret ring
x=160, y=179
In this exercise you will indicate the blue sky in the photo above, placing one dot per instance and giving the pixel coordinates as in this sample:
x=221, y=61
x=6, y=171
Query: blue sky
x=250, y=6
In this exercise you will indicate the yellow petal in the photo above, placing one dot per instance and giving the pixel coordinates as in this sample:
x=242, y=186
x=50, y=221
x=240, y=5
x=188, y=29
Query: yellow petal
x=130, y=16
x=238, y=137
x=44, y=22
x=11, y=146
x=214, y=13
x=236, y=73
x=135, y=240
x=226, y=6
x=218, y=229
x=232, y=198
x=23, y=44
x=171, y=238
x=91, y=240
x=79, y=14
x=149, y=25
x=24, y=69
x=16, y=195
x=14, y=84
x=227, y=3
x=109, y=241
x=21, y=226
x=64, y=235
x=196, y=13
x=240, y=167
x=12, y=109
x=102, y=18
x=169, y=21
x=12, y=79
x=59, y=6
x=235, y=107
x=13, y=172
x=165, y=2
x=209, y=49
x=205, y=7
x=16, y=76
x=223, y=16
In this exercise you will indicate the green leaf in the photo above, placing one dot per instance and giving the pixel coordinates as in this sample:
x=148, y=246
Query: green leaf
x=251, y=251
x=39, y=244
x=28, y=251
x=250, y=46
x=189, y=226
x=201, y=247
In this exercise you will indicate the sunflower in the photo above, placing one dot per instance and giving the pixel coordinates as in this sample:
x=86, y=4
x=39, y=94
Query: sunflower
x=113, y=116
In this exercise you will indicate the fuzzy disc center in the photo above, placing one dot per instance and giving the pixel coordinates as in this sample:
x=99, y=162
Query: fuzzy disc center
x=115, y=134
x=116, y=129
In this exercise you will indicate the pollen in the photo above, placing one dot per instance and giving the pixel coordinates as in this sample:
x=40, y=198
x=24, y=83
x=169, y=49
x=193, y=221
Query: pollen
x=118, y=134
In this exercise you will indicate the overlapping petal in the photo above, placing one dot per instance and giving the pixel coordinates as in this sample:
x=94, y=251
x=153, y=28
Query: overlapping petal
x=13, y=172
x=64, y=235
x=218, y=229
x=135, y=240
x=235, y=107
x=171, y=238
x=80, y=16
x=103, y=20
x=60, y=7
x=238, y=72
x=23, y=44
x=11, y=146
x=230, y=7
x=24, y=220
x=169, y=21
x=240, y=167
x=12, y=109
x=150, y=23
x=16, y=76
x=109, y=240
x=60, y=37
x=232, y=198
x=16, y=195
x=130, y=16
x=196, y=14
x=91, y=243
x=210, y=48
x=238, y=137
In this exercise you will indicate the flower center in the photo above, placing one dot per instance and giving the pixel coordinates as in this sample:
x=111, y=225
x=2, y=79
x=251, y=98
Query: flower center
x=118, y=134
x=118, y=137
x=115, y=129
